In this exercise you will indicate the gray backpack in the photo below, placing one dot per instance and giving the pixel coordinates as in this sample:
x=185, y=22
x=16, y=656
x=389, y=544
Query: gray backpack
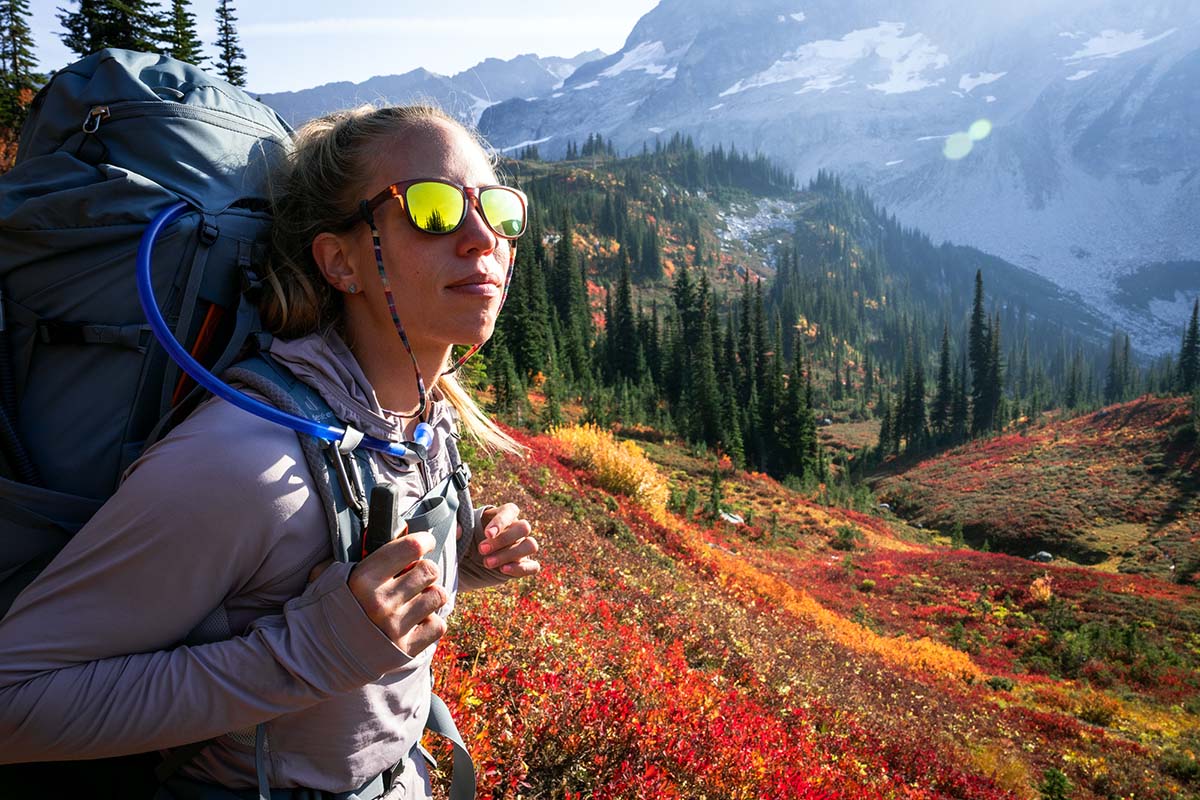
x=111, y=141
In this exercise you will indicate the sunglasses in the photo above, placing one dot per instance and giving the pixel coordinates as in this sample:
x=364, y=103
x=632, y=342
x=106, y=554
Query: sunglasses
x=436, y=206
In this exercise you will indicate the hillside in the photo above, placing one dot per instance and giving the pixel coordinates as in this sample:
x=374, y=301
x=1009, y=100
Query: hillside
x=1119, y=488
x=813, y=653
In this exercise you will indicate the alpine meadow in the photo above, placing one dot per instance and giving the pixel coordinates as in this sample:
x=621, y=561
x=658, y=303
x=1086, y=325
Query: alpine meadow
x=840, y=494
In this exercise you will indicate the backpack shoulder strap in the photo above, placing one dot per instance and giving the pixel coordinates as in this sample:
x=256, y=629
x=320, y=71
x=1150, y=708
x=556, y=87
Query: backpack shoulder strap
x=461, y=476
x=343, y=482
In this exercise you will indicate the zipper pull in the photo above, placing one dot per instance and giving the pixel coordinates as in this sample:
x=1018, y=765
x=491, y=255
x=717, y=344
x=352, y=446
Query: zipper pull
x=92, y=123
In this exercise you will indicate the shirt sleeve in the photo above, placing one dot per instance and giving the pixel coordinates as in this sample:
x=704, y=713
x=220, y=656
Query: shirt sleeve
x=88, y=662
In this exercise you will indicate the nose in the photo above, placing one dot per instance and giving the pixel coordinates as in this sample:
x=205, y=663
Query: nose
x=475, y=236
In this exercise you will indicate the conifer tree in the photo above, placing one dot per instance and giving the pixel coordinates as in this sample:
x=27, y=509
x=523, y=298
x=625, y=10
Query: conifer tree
x=1114, y=380
x=17, y=62
x=939, y=417
x=1189, y=353
x=179, y=33
x=129, y=24
x=960, y=410
x=979, y=348
x=995, y=376
x=623, y=339
x=229, y=51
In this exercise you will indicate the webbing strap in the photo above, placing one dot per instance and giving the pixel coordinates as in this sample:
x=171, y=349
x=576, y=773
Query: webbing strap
x=462, y=783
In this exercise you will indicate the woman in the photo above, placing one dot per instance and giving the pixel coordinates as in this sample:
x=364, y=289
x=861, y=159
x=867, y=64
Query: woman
x=372, y=284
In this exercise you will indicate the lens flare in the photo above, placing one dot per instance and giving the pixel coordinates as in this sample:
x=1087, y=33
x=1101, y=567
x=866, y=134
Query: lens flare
x=980, y=129
x=957, y=146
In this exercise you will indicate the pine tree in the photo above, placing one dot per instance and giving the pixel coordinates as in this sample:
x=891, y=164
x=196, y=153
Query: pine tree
x=943, y=401
x=960, y=410
x=229, y=52
x=17, y=63
x=179, y=33
x=995, y=377
x=979, y=348
x=1189, y=353
x=1114, y=380
x=128, y=24
x=623, y=338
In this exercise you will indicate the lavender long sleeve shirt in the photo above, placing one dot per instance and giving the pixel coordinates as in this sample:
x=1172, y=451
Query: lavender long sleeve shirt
x=223, y=513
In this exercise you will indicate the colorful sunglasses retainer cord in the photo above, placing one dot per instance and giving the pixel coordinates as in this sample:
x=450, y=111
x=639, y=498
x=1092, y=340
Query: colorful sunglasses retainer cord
x=391, y=301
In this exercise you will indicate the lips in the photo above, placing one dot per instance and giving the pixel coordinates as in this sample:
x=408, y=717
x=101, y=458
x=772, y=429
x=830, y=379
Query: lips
x=481, y=283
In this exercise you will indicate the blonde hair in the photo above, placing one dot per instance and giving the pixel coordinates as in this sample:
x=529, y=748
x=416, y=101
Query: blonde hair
x=315, y=190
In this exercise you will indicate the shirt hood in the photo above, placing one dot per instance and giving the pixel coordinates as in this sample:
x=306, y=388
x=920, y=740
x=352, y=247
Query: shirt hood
x=324, y=362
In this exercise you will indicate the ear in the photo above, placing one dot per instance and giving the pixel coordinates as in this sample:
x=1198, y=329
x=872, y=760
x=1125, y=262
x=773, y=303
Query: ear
x=333, y=256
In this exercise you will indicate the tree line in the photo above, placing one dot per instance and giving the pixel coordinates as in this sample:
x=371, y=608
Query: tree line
x=855, y=325
x=146, y=26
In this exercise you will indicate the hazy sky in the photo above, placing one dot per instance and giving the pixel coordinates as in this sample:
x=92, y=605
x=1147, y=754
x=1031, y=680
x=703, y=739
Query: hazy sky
x=302, y=43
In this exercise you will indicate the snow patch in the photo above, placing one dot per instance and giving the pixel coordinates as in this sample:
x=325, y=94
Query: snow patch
x=822, y=64
x=798, y=16
x=556, y=94
x=478, y=107
x=1083, y=73
x=632, y=103
x=714, y=108
x=1072, y=35
x=646, y=56
x=588, y=85
x=527, y=143
x=930, y=138
x=669, y=75
x=971, y=80
x=1111, y=43
x=656, y=130
x=894, y=163
x=991, y=98
x=769, y=215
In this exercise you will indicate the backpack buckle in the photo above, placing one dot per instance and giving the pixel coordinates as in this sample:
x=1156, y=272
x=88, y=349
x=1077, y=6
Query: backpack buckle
x=461, y=477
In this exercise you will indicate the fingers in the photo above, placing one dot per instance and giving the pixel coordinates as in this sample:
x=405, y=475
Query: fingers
x=524, y=547
x=507, y=537
x=501, y=518
x=394, y=557
x=398, y=590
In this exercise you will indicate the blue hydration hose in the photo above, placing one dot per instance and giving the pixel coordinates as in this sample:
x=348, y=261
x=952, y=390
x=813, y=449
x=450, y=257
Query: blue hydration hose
x=329, y=433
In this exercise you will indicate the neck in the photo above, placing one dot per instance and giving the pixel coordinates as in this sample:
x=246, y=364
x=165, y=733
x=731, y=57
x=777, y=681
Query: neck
x=387, y=365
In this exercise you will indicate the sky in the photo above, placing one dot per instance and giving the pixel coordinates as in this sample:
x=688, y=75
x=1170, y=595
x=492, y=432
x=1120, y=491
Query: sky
x=298, y=44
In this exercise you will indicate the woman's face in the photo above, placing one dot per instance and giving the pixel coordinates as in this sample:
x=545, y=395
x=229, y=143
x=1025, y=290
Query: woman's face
x=447, y=287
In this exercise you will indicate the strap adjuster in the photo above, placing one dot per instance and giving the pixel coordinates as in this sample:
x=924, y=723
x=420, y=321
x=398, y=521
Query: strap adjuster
x=461, y=477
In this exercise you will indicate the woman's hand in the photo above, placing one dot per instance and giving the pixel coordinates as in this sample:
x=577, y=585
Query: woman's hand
x=398, y=590
x=506, y=545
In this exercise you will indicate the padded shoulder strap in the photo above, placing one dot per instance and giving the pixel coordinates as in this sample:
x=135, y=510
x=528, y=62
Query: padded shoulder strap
x=343, y=482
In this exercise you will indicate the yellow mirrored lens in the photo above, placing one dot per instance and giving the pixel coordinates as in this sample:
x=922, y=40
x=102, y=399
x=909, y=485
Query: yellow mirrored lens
x=503, y=210
x=435, y=207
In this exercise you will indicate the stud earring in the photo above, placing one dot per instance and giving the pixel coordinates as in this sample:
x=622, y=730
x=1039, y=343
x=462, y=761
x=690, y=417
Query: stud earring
x=352, y=288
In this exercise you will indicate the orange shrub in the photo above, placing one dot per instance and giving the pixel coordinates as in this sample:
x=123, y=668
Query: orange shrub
x=1041, y=590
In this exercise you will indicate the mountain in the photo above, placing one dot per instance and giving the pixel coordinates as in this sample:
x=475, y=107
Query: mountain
x=1058, y=135
x=465, y=95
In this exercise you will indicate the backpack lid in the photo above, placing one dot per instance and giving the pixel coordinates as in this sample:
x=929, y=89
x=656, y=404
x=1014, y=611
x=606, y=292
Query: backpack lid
x=211, y=143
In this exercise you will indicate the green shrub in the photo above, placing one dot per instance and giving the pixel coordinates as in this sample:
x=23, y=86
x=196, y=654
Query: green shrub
x=1180, y=765
x=846, y=538
x=867, y=585
x=1000, y=684
x=1054, y=785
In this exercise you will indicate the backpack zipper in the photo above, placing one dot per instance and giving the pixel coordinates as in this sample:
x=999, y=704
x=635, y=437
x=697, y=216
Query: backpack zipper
x=159, y=108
